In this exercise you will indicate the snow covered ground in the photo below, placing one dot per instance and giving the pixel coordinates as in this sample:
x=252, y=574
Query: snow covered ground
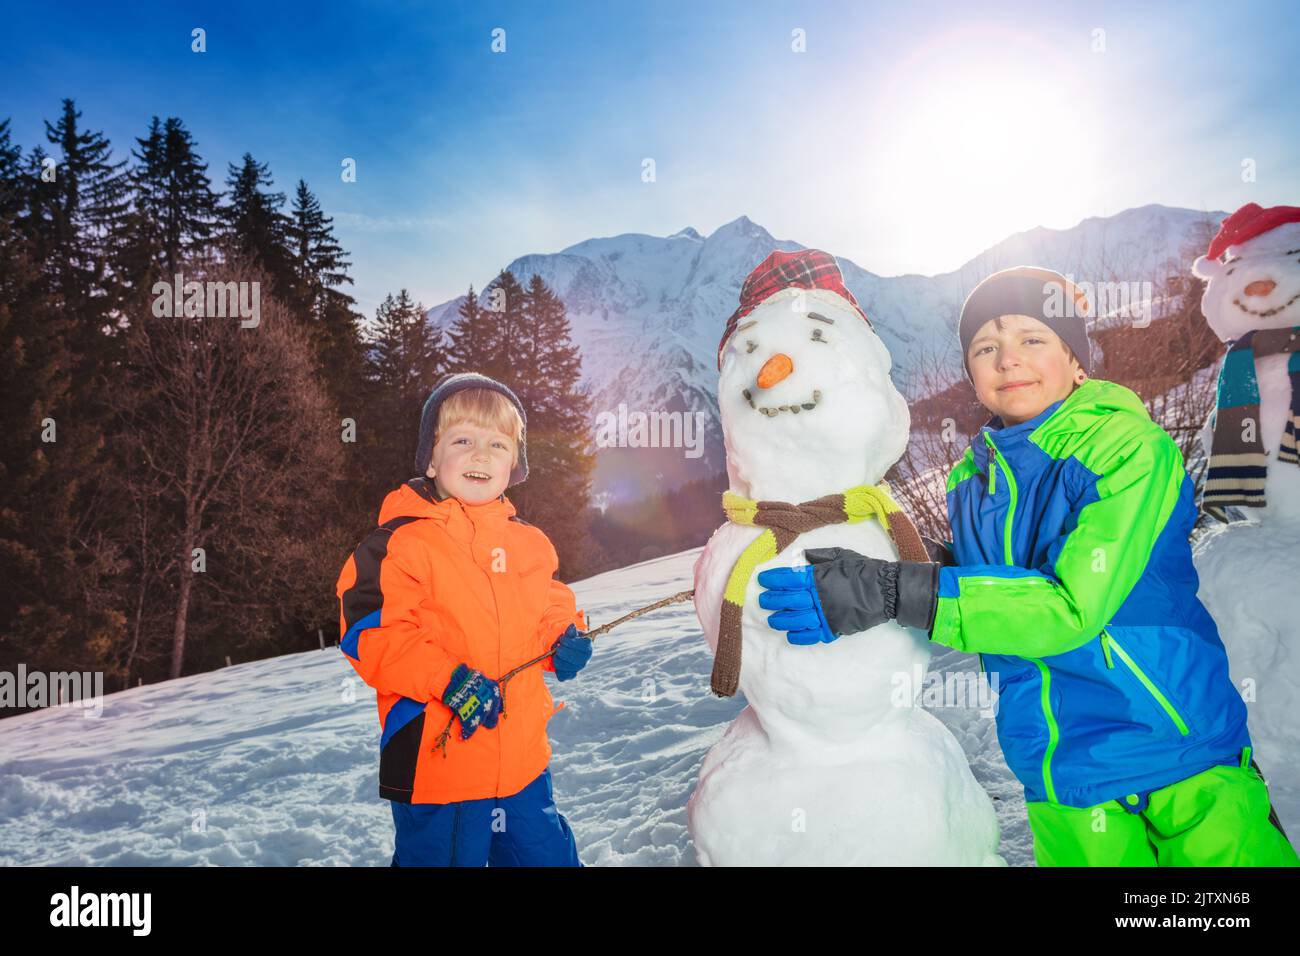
x=274, y=762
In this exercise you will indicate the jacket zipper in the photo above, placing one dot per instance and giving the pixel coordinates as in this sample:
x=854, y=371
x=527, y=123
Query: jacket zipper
x=1045, y=673
x=455, y=830
x=1161, y=699
x=1053, y=731
x=1011, y=490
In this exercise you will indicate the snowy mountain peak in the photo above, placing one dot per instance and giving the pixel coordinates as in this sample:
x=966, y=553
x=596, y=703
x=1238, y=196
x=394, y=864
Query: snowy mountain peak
x=687, y=233
x=741, y=227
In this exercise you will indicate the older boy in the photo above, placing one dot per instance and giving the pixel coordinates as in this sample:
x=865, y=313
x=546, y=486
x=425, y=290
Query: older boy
x=1073, y=581
x=449, y=589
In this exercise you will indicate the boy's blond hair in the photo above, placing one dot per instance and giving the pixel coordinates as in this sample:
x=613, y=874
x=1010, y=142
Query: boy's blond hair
x=482, y=407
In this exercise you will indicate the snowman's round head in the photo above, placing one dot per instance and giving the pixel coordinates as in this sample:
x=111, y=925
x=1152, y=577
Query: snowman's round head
x=806, y=401
x=1252, y=284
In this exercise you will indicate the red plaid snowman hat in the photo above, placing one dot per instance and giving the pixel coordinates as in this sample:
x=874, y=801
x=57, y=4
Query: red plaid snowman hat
x=806, y=269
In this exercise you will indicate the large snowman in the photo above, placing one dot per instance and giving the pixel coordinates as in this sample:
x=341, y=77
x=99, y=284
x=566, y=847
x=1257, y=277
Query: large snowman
x=1249, y=570
x=833, y=762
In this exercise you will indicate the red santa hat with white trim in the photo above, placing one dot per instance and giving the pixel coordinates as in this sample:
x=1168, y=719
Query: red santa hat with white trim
x=1246, y=224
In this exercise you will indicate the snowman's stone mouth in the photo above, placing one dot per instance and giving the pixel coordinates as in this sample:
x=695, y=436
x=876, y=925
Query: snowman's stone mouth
x=772, y=411
x=1266, y=313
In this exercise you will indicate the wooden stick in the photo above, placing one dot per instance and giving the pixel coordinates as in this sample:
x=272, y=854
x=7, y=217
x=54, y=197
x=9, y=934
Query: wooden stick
x=593, y=634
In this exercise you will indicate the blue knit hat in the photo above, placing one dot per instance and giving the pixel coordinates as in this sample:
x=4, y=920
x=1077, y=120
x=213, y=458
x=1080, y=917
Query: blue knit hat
x=449, y=385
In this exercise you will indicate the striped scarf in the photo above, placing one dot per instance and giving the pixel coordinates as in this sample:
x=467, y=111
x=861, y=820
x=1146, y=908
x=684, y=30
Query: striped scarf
x=783, y=523
x=1238, y=463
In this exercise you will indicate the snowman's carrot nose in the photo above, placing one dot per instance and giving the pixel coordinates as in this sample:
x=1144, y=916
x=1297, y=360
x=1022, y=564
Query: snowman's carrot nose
x=1260, y=287
x=774, y=370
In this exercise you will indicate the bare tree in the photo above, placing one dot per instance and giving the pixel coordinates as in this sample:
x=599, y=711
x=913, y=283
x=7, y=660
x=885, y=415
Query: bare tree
x=943, y=421
x=1167, y=356
x=236, y=450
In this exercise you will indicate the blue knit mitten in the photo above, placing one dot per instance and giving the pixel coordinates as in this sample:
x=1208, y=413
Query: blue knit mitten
x=474, y=698
x=572, y=651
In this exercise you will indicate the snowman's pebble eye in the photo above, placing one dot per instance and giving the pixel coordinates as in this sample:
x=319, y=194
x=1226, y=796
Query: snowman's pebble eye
x=752, y=345
x=817, y=336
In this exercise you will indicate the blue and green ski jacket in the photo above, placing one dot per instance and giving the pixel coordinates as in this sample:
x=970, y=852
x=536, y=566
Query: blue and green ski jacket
x=1074, y=583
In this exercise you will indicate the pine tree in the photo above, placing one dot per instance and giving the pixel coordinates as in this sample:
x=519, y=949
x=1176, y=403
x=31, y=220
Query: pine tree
x=75, y=214
x=319, y=263
x=546, y=373
x=469, y=347
x=482, y=337
x=78, y=229
x=11, y=175
x=174, y=211
x=548, y=366
x=407, y=356
x=320, y=267
x=55, y=611
x=253, y=225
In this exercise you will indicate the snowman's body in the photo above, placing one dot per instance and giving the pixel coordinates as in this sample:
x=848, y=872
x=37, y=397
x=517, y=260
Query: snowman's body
x=1246, y=571
x=833, y=762
x=1282, y=482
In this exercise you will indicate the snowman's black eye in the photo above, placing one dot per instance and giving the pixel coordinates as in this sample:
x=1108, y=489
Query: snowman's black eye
x=1229, y=272
x=752, y=345
x=817, y=336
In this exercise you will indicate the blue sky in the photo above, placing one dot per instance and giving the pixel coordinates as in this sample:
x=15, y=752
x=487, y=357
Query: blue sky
x=907, y=137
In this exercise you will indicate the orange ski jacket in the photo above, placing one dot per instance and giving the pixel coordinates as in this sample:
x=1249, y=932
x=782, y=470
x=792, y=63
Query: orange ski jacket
x=438, y=583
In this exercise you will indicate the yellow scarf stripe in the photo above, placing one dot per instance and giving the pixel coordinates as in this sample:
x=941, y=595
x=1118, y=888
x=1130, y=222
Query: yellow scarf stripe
x=762, y=549
x=865, y=501
x=739, y=509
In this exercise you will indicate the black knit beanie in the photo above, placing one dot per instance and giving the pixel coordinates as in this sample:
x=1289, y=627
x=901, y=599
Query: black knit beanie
x=449, y=385
x=1025, y=290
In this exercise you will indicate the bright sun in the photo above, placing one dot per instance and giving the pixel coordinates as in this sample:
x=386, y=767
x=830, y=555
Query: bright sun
x=966, y=157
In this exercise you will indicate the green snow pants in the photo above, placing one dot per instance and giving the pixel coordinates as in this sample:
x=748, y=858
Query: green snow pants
x=1219, y=817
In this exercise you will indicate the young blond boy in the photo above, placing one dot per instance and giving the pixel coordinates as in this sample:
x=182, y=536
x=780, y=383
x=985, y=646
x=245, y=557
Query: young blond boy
x=450, y=592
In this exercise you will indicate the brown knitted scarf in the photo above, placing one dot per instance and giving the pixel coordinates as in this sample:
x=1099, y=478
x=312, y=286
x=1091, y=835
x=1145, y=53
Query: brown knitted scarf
x=783, y=523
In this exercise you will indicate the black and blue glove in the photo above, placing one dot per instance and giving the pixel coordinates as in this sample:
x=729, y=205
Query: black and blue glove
x=843, y=592
x=792, y=593
x=474, y=698
x=571, y=652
